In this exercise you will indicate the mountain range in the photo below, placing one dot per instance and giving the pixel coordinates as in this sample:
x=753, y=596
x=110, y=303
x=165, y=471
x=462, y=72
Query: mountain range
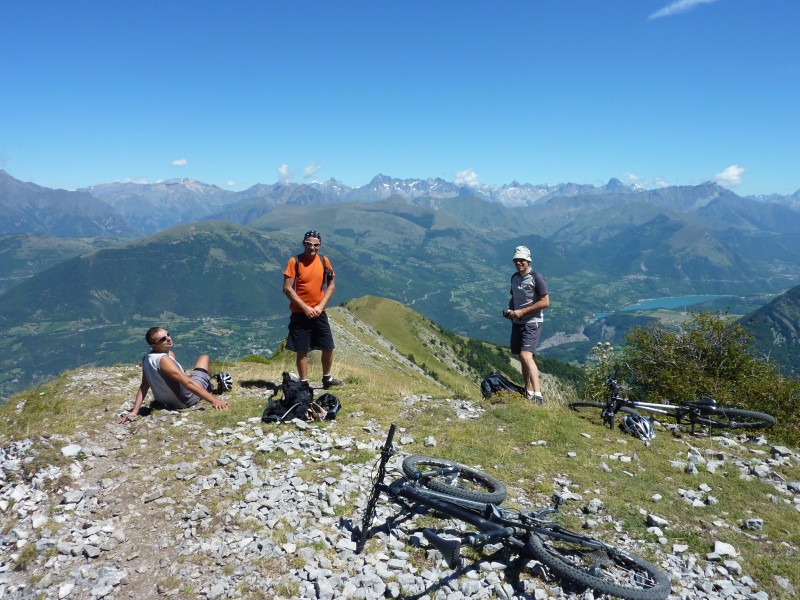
x=440, y=248
x=151, y=207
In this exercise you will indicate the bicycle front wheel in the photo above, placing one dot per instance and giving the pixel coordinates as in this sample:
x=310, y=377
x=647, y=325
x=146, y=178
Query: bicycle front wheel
x=467, y=484
x=735, y=418
x=608, y=570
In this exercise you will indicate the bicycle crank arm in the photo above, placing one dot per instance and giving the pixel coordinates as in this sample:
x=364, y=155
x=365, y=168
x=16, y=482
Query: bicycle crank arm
x=478, y=538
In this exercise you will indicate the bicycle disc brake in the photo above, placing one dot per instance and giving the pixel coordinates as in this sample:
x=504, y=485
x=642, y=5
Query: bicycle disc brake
x=599, y=561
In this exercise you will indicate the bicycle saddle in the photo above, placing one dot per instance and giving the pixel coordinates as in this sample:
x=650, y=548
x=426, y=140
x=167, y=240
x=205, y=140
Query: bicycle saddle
x=704, y=402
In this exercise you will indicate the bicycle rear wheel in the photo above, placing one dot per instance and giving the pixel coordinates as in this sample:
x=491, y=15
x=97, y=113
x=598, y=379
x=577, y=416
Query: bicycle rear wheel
x=597, y=408
x=735, y=418
x=467, y=484
x=608, y=570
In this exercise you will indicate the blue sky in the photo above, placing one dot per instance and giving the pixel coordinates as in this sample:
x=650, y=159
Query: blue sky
x=235, y=93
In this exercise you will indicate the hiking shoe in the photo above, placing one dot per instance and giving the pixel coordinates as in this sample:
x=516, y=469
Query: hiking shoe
x=329, y=382
x=535, y=397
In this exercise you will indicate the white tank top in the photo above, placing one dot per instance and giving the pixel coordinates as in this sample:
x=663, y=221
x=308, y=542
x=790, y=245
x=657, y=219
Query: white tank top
x=164, y=389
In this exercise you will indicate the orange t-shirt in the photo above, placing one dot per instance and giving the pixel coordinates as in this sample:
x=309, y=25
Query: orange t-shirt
x=308, y=282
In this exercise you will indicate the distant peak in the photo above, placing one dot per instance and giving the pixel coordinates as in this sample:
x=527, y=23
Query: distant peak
x=615, y=184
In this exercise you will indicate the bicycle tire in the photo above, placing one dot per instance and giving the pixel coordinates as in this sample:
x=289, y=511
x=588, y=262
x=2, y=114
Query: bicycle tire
x=598, y=407
x=608, y=571
x=735, y=418
x=469, y=484
x=586, y=406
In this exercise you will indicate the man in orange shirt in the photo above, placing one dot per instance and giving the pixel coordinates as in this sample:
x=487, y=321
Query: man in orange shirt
x=308, y=282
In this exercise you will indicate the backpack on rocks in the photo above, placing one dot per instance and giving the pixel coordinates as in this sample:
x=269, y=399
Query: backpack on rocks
x=497, y=382
x=294, y=399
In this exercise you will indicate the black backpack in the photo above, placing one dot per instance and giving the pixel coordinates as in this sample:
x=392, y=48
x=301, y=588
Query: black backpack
x=296, y=398
x=297, y=402
x=497, y=382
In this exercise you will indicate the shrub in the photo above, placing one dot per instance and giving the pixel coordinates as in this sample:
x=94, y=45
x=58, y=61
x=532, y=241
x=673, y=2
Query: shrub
x=706, y=355
x=256, y=358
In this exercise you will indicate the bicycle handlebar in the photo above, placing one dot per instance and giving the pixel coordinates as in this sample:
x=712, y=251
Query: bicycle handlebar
x=387, y=447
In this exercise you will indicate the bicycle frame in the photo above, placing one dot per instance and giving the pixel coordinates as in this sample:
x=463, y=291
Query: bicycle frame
x=494, y=524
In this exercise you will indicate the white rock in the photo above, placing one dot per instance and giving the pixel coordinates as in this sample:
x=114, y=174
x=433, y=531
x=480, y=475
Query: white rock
x=724, y=549
x=71, y=451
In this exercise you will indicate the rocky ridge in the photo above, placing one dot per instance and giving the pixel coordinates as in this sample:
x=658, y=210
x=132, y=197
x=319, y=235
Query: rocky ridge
x=166, y=508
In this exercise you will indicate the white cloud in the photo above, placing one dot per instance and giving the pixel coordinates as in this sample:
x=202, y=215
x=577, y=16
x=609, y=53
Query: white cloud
x=310, y=172
x=467, y=177
x=284, y=174
x=630, y=177
x=660, y=182
x=678, y=7
x=181, y=162
x=730, y=177
x=231, y=184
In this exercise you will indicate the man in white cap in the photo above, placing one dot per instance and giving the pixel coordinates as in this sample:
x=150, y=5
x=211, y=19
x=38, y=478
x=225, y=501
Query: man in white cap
x=529, y=296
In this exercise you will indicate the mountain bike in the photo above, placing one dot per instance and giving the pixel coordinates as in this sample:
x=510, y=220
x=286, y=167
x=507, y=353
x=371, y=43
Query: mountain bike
x=704, y=412
x=458, y=492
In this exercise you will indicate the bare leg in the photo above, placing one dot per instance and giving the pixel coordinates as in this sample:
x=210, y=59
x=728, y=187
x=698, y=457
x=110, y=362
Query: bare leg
x=302, y=365
x=530, y=372
x=203, y=362
x=327, y=361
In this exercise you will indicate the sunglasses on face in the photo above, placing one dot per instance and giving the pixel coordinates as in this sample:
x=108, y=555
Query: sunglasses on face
x=312, y=244
x=162, y=339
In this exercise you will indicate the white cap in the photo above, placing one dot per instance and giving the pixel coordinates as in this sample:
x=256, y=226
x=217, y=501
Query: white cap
x=522, y=252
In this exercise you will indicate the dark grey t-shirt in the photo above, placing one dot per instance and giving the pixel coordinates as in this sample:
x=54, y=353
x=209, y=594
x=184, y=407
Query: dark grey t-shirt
x=526, y=290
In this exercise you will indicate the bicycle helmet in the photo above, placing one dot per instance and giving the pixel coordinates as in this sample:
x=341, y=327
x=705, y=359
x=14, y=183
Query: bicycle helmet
x=330, y=404
x=225, y=381
x=639, y=427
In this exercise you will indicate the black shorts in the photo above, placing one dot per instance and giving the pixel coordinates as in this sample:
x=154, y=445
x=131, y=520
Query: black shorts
x=525, y=337
x=309, y=334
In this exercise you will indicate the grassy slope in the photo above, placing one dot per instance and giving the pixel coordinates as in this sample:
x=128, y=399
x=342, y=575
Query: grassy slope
x=413, y=334
x=502, y=441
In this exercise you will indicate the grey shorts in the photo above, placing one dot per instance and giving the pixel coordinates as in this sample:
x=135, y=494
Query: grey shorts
x=525, y=337
x=185, y=397
x=202, y=377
